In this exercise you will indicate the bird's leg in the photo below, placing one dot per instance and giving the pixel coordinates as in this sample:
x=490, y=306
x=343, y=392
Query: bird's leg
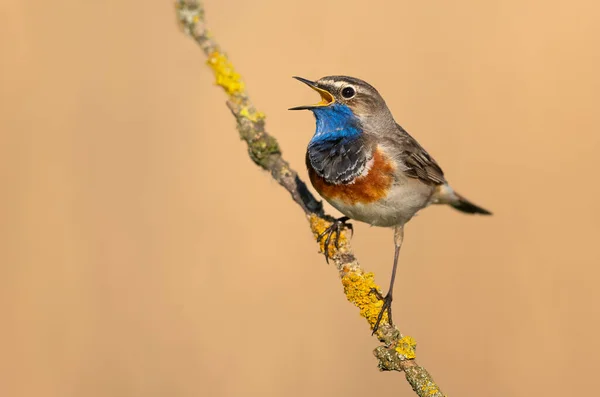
x=336, y=228
x=387, y=300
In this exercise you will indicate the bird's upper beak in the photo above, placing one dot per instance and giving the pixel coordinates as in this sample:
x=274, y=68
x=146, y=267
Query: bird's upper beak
x=326, y=97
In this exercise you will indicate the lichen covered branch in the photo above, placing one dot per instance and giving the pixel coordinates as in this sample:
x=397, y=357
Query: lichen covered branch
x=397, y=352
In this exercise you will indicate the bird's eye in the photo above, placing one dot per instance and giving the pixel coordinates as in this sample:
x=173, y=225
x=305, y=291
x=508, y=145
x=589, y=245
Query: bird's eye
x=348, y=92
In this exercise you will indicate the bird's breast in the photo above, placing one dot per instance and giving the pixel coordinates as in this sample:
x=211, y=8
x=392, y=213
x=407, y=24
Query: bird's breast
x=373, y=185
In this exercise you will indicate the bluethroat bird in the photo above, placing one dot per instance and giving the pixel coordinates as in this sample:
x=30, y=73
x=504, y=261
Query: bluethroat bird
x=368, y=167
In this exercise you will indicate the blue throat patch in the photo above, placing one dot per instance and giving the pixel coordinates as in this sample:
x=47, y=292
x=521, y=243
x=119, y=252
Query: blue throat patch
x=336, y=151
x=335, y=122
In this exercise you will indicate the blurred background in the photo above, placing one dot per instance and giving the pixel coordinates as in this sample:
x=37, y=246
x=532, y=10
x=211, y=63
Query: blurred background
x=144, y=254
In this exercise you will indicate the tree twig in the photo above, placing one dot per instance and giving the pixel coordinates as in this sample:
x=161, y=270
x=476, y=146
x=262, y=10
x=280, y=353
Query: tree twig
x=397, y=351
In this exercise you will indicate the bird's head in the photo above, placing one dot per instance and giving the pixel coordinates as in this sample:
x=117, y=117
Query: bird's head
x=346, y=95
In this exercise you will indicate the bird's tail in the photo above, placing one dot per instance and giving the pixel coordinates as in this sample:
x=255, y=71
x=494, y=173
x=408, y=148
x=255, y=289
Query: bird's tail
x=464, y=205
x=446, y=195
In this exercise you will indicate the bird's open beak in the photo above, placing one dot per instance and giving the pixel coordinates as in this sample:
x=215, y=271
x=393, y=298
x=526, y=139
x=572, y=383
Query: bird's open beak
x=326, y=98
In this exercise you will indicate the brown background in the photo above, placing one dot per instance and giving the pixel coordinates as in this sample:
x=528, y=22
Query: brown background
x=143, y=254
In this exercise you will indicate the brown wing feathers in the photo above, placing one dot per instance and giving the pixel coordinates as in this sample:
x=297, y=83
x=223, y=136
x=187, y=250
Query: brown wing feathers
x=419, y=164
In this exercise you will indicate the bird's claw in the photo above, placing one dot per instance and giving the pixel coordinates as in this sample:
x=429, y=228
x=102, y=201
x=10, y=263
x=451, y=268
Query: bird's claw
x=335, y=228
x=387, y=306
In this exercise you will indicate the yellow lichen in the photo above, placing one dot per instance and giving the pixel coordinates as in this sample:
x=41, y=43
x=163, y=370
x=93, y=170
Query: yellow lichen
x=430, y=389
x=358, y=287
x=318, y=226
x=406, y=347
x=252, y=116
x=225, y=74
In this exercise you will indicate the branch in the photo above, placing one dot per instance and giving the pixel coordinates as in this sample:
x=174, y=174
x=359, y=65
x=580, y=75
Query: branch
x=397, y=352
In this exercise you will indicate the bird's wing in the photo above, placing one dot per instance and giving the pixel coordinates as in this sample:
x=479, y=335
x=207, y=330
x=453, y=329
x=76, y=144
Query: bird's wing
x=416, y=161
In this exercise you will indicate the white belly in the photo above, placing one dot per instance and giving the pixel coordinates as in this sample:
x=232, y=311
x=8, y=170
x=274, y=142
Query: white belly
x=404, y=200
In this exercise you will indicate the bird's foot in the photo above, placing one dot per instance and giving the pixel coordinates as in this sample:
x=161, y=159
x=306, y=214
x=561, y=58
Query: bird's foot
x=387, y=307
x=336, y=228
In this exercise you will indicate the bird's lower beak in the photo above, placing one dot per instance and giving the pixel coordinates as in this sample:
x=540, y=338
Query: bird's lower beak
x=326, y=97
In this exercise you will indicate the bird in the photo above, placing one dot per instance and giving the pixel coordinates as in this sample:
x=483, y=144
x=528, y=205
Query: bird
x=369, y=168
